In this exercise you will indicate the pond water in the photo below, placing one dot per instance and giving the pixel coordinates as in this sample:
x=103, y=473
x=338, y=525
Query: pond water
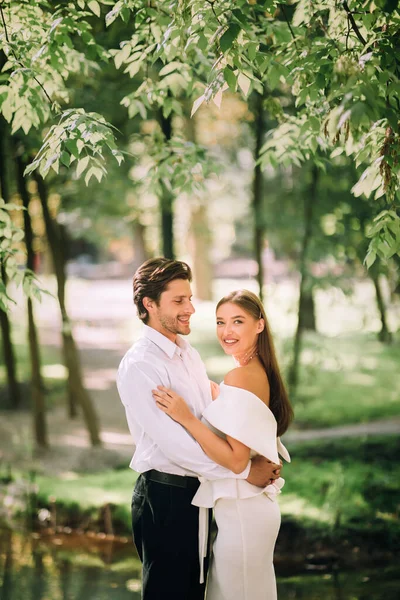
x=73, y=567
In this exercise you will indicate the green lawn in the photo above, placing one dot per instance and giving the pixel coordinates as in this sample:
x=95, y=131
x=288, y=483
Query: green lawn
x=347, y=379
x=342, y=483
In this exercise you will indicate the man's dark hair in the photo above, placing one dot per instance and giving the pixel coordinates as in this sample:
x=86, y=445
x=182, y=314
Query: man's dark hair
x=152, y=278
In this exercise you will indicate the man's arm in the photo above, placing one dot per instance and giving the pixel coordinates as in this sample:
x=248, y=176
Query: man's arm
x=135, y=384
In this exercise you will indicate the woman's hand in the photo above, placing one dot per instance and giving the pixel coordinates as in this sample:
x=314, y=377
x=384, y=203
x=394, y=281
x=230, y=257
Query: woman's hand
x=172, y=404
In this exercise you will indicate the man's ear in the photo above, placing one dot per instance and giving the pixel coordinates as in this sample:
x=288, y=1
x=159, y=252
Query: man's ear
x=148, y=303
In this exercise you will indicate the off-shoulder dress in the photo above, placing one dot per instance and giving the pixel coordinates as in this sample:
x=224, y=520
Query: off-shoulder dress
x=247, y=517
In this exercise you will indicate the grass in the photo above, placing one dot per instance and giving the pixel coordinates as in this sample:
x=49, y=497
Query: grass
x=348, y=379
x=89, y=490
x=338, y=484
x=346, y=482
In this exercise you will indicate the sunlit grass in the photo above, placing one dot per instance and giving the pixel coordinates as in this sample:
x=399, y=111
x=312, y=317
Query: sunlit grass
x=326, y=482
x=89, y=490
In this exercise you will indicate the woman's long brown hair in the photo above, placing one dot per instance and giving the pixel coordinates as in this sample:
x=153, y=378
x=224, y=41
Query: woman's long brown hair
x=279, y=402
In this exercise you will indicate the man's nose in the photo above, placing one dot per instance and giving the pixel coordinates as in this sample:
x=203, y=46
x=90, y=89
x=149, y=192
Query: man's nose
x=190, y=309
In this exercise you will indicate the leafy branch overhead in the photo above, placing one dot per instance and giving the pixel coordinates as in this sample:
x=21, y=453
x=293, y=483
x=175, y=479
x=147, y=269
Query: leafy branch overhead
x=340, y=61
x=329, y=70
x=42, y=48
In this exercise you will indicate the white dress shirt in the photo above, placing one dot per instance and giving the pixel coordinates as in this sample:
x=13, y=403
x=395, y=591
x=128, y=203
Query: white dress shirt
x=162, y=443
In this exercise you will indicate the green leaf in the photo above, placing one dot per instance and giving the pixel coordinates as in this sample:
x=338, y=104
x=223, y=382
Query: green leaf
x=196, y=104
x=230, y=35
x=121, y=56
x=65, y=158
x=93, y=172
x=94, y=7
x=81, y=166
x=71, y=145
x=170, y=67
x=230, y=78
x=244, y=83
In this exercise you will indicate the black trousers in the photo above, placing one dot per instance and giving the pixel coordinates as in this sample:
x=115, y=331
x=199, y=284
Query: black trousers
x=165, y=532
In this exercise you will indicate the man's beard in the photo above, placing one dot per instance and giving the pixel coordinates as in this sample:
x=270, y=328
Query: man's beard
x=172, y=325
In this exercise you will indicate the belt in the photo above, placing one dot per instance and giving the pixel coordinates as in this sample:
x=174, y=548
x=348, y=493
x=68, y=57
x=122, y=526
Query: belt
x=181, y=481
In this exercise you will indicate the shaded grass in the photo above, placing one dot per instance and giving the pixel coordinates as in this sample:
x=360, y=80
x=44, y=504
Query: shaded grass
x=341, y=484
x=335, y=586
x=344, y=483
x=348, y=379
x=92, y=490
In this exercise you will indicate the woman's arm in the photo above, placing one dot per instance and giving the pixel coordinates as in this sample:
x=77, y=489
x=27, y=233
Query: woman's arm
x=229, y=453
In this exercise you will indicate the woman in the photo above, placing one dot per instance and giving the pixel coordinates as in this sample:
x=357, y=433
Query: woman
x=250, y=411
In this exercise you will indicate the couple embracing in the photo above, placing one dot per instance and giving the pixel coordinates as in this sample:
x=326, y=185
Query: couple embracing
x=200, y=446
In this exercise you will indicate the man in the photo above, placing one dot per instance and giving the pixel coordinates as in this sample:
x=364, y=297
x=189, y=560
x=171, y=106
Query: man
x=169, y=460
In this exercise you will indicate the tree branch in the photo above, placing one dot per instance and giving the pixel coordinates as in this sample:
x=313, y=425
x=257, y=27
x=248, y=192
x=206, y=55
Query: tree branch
x=17, y=59
x=289, y=24
x=211, y=3
x=353, y=23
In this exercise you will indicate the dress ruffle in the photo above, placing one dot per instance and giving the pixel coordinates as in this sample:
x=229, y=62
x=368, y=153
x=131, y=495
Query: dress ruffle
x=210, y=491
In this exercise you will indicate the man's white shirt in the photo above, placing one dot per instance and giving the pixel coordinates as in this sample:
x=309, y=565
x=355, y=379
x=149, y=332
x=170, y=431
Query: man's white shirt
x=162, y=443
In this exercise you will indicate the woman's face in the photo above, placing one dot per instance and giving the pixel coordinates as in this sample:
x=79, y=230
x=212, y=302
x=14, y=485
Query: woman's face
x=237, y=330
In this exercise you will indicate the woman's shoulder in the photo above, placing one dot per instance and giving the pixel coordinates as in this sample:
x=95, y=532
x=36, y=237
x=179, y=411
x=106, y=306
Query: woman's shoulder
x=248, y=379
x=238, y=377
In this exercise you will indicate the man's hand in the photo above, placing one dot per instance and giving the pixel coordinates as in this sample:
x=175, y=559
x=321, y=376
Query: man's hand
x=263, y=471
x=214, y=389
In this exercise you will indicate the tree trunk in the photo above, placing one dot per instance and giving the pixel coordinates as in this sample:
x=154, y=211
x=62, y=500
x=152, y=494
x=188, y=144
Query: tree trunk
x=5, y=324
x=199, y=232
x=37, y=387
x=307, y=308
x=6, y=589
x=54, y=237
x=396, y=287
x=200, y=241
x=77, y=394
x=140, y=252
x=257, y=200
x=384, y=335
x=309, y=201
x=166, y=200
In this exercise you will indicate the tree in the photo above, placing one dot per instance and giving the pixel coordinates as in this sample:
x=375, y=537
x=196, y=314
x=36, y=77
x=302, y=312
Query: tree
x=37, y=385
x=5, y=324
x=339, y=60
x=77, y=394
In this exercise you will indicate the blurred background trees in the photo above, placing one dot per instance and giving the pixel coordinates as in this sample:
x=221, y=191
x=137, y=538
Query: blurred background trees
x=264, y=133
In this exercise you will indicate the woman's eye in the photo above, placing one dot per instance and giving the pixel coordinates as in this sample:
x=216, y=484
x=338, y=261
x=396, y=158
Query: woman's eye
x=178, y=301
x=237, y=322
x=219, y=323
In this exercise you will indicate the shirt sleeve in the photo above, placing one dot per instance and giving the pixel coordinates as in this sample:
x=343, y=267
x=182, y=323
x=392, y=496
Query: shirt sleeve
x=135, y=383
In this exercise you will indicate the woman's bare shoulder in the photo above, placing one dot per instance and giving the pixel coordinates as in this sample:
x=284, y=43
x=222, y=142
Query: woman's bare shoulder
x=246, y=379
x=237, y=377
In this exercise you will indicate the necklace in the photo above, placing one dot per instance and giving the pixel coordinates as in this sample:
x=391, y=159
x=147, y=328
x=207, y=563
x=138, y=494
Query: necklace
x=251, y=357
x=242, y=362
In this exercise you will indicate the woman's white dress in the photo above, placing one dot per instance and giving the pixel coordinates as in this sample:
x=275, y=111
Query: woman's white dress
x=247, y=517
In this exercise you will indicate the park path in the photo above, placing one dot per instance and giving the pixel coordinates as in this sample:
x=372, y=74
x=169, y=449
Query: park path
x=104, y=328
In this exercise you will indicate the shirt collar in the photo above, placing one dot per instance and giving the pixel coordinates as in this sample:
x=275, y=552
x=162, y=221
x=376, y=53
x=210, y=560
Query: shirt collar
x=169, y=347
